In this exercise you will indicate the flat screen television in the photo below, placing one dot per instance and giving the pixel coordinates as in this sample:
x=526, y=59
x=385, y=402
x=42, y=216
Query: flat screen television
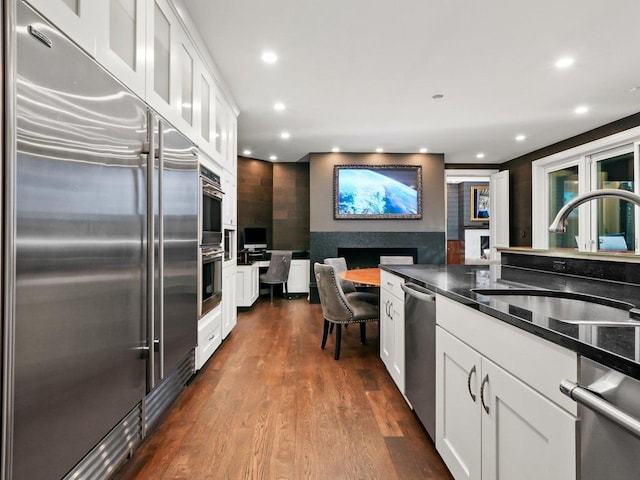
x=377, y=191
x=254, y=238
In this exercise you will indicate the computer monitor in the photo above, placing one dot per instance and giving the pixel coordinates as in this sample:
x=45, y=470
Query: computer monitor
x=254, y=238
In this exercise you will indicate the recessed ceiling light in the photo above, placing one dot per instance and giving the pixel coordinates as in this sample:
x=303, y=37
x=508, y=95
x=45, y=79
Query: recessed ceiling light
x=285, y=135
x=480, y=155
x=520, y=138
x=273, y=157
x=335, y=149
x=582, y=109
x=437, y=96
x=246, y=152
x=423, y=150
x=564, y=62
x=635, y=89
x=279, y=106
x=379, y=150
x=269, y=57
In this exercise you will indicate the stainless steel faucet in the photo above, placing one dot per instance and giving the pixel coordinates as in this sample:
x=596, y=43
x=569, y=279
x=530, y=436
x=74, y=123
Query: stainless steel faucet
x=559, y=224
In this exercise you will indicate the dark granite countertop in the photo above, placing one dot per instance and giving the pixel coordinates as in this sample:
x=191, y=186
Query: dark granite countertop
x=616, y=347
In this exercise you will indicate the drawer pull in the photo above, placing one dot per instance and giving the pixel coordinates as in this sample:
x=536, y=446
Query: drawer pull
x=212, y=337
x=485, y=381
x=471, y=373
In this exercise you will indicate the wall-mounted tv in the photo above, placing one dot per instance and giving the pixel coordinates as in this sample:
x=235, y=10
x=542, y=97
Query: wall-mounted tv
x=377, y=191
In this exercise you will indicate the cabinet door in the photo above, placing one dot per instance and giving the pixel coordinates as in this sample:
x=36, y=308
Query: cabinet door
x=76, y=18
x=120, y=42
x=397, y=365
x=229, y=202
x=458, y=420
x=524, y=435
x=387, y=342
x=298, y=281
x=229, y=313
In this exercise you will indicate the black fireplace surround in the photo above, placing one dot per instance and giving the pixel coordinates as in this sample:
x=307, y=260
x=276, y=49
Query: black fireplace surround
x=363, y=249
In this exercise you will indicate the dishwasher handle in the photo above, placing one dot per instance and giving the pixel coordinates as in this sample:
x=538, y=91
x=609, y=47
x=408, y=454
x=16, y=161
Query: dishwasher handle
x=418, y=292
x=599, y=405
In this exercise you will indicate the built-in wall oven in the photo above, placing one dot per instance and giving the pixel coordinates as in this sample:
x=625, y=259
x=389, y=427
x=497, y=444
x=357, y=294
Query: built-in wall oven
x=211, y=249
x=210, y=208
x=210, y=291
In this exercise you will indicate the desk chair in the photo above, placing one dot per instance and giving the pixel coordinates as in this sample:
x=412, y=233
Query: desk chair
x=396, y=260
x=339, y=309
x=278, y=271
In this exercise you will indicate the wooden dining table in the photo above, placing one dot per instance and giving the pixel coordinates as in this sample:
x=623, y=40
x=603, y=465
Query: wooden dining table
x=362, y=276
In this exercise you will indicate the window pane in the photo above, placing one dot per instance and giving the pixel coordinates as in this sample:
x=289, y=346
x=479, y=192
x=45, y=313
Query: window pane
x=122, y=30
x=616, y=218
x=205, y=99
x=187, y=86
x=161, y=55
x=563, y=186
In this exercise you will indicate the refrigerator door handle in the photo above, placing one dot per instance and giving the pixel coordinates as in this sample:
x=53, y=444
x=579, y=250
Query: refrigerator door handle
x=161, y=245
x=150, y=252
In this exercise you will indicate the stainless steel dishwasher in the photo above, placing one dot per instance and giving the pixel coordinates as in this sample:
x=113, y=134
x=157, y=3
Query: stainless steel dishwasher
x=420, y=353
x=609, y=412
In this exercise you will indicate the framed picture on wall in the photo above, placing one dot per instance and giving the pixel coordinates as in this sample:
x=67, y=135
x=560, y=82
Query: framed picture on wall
x=480, y=203
x=377, y=192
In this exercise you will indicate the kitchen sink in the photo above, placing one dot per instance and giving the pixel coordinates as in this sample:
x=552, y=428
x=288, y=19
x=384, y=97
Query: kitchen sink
x=568, y=307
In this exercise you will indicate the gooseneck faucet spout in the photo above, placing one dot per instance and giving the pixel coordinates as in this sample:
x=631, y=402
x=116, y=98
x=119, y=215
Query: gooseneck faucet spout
x=559, y=224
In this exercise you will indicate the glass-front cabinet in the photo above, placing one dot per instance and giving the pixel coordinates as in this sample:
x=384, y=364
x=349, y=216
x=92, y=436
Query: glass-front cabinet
x=606, y=225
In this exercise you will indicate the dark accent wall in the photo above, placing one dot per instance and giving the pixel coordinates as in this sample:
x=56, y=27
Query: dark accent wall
x=520, y=182
x=291, y=206
x=276, y=196
x=255, y=196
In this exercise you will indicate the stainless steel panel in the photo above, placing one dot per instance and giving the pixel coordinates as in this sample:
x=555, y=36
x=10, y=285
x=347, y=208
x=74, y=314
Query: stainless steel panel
x=607, y=450
x=79, y=252
x=176, y=245
x=420, y=354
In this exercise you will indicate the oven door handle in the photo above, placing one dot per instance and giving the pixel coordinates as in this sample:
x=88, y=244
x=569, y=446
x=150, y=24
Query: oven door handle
x=596, y=403
x=212, y=191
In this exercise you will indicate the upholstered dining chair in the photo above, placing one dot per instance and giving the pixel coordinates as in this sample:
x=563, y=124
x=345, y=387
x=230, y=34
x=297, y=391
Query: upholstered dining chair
x=278, y=271
x=339, y=309
x=340, y=265
x=396, y=260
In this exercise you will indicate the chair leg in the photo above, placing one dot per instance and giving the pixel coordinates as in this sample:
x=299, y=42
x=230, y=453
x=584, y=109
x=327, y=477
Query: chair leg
x=271, y=293
x=363, y=333
x=286, y=291
x=325, y=331
x=331, y=327
x=338, y=338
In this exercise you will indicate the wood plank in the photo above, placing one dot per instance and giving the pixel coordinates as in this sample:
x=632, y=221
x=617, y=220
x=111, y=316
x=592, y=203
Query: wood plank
x=270, y=404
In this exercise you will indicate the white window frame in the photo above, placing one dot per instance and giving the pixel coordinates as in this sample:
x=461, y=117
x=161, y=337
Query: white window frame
x=585, y=157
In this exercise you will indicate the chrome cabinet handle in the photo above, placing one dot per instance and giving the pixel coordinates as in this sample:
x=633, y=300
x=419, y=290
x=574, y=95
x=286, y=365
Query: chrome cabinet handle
x=471, y=373
x=485, y=381
x=599, y=405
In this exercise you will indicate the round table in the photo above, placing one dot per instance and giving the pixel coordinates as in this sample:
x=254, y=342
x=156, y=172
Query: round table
x=363, y=276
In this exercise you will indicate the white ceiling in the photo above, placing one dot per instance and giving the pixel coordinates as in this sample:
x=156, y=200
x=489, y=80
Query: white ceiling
x=360, y=74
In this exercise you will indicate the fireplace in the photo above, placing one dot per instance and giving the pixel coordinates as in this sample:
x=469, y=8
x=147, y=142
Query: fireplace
x=370, y=257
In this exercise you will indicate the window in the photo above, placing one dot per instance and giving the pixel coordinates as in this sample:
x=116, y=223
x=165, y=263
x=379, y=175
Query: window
x=601, y=225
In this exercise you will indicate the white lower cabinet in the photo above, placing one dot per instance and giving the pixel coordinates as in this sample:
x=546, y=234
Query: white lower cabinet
x=209, y=336
x=298, y=281
x=247, y=284
x=229, y=311
x=491, y=424
x=392, y=327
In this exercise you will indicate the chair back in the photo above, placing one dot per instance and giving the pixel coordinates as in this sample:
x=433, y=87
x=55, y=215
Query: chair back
x=279, y=265
x=339, y=264
x=334, y=304
x=396, y=260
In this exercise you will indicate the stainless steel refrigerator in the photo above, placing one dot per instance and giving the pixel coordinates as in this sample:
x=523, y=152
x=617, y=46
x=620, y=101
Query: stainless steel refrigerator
x=99, y=314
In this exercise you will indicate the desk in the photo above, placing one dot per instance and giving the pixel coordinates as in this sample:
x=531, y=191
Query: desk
x=363, y=276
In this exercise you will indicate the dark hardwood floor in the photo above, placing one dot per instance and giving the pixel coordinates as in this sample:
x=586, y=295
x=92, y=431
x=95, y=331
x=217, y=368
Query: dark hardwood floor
x=270, y=404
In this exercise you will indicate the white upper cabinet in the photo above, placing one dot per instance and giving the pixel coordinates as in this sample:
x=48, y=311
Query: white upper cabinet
x=76, y=18
x=161, y=26
x=121, y=43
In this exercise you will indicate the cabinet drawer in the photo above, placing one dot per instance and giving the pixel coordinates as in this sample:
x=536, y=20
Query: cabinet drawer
x=392, y=283
x=535, y=361
x=209, y=337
